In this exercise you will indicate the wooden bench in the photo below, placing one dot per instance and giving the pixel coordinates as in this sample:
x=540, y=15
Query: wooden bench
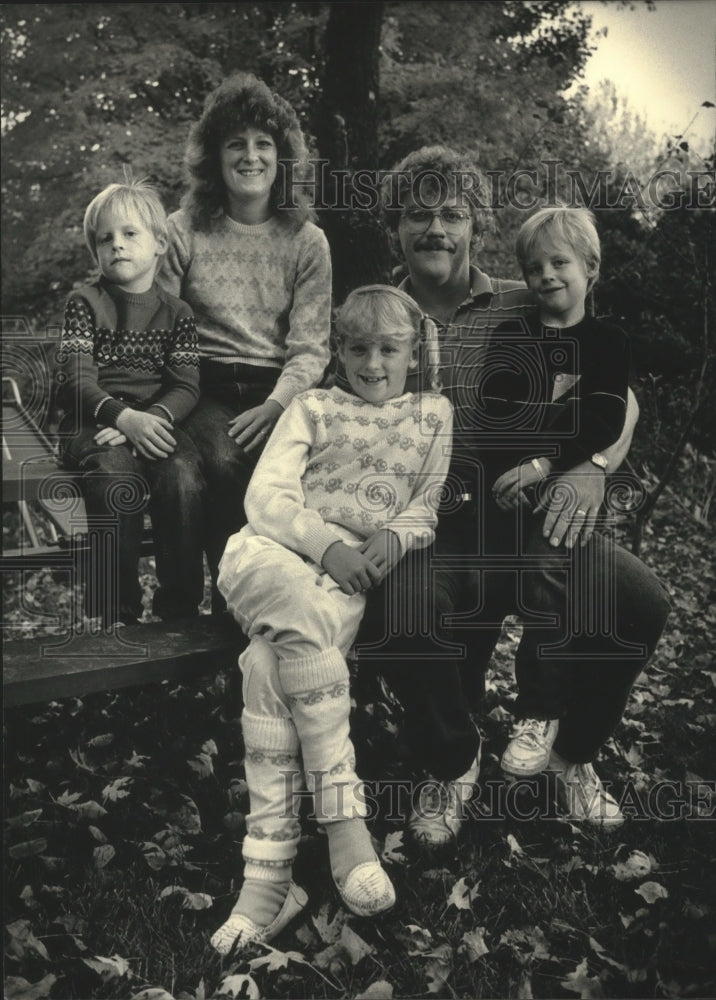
x=55, y=666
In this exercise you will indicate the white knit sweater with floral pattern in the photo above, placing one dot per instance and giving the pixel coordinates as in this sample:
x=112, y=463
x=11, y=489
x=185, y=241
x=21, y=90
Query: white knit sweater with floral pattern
x=338, y=468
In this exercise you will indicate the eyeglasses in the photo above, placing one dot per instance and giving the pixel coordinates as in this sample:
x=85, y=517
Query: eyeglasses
x=418, y=219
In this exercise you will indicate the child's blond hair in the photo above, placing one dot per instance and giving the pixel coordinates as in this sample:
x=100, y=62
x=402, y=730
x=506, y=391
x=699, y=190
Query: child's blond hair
x=375, y=307
x=139, y=196
x=573, y=226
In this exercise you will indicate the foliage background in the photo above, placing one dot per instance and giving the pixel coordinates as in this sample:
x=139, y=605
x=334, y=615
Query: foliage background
x=124, y=811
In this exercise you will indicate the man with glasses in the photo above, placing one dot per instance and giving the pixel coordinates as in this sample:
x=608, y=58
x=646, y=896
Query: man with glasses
x=431, y=631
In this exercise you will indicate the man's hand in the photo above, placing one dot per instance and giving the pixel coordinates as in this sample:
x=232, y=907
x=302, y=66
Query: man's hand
x=384, y=551
x=350, y=568
x=572, y=503
x=110, y=436
x=507, y=490
x=149, y=433
x=252, y=428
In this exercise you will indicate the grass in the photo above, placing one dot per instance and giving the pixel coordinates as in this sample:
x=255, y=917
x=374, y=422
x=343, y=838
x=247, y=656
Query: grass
x=113, y=800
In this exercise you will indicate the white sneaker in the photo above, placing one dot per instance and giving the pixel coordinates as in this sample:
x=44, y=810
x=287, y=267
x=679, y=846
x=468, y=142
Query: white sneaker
x=437, y=816
x=582, y=795
x=530, y=746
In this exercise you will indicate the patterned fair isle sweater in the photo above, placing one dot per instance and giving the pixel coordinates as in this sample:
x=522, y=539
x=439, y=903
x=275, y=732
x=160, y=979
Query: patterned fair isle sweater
x=261, y=295
x=120, y=350
x=338, y=468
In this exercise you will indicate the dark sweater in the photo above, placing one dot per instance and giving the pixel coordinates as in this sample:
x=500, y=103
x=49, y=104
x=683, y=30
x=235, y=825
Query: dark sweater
x=560, y=393
x=121, y=350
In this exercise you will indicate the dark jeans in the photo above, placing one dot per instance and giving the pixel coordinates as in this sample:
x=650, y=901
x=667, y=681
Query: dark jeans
x=117, y=488
x=591, y=620
x=226, y=391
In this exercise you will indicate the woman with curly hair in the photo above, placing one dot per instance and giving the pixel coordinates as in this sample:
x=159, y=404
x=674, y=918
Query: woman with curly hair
x=246, y=255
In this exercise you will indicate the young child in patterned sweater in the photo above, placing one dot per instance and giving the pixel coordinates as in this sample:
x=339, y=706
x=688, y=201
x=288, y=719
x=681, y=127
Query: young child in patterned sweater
x=128, y=375
x=347, y=484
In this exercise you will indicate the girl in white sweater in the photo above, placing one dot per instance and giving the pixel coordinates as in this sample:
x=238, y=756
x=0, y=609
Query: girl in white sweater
x=347, y=484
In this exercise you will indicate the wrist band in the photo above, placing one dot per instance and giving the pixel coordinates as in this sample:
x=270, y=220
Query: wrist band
x=536, y=465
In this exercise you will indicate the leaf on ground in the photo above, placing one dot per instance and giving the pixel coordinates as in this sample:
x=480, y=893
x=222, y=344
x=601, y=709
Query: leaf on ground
x=202, y=764
x=136, y=760
x=438, y=969
x=191, y=900
x=97, y=834
x=524, y=987
x=306, y=936
x=651, y=891
x=328, y=930
x=103, y=855
x=117, y=789
x=514, y=845
x=473, y=944
x=104, y=740
x=81, y=761
x=153, y=855
x=419, y=940
x=240, y=985
x=599, y=950
x=637, y=865
x=24, y=819
x=67, y=797
x=393, y=848
x=28, y=848
x=462, y=895
x=17, y=988
x=238, y=790
x=22, y=940
x=354, y=945
x=531, y=942
x=187, y=816
x=108, y=968
x=275, y=959
x=28, y=897
x=379, y=990
x=210, y=747
x=71, y=923
x=349, y=949
x=579, y=981
x=86, y=811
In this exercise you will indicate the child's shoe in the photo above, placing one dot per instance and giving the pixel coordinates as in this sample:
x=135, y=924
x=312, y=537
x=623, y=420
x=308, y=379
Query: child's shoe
x=367, y=890
x=239, y=930
x=582, y=796
x=437, y=816
x=530, y=746
x=357, y=873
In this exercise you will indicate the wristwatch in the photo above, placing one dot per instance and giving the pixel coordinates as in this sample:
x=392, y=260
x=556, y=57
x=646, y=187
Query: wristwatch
x=600, y=461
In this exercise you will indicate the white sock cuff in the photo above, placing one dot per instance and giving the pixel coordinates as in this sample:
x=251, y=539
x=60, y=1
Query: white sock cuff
x=264, y=872
x=269, y=853
x=267, y=732
x=315, y=671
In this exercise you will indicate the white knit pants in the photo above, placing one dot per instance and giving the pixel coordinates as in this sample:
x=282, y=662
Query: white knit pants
x=294, y=670
x=274, y=775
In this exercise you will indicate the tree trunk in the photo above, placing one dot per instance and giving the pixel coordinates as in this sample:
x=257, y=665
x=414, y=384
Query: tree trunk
x=347, y=132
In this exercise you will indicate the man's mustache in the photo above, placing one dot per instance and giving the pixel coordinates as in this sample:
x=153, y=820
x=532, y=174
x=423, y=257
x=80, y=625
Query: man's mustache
x=434, y=244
